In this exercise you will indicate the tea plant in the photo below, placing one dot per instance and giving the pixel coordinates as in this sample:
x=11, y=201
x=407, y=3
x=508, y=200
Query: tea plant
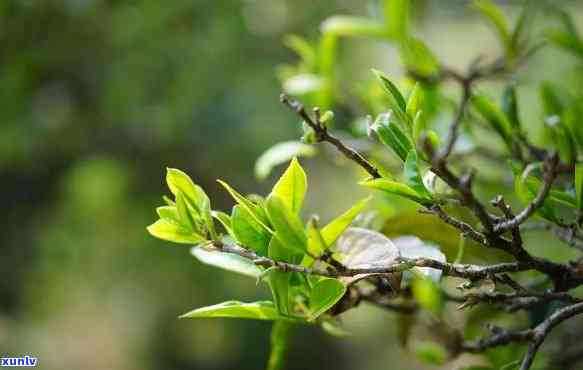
x=316, y=270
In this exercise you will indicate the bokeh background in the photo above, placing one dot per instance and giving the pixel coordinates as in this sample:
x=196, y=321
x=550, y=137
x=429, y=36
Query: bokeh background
x=97, y=98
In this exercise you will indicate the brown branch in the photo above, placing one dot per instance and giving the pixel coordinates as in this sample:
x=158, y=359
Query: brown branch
x=323, y=135
x=534, y=337
x=551, y=164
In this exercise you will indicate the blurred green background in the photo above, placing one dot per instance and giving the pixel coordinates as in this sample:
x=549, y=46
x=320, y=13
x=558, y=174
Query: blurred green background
x=97, y=98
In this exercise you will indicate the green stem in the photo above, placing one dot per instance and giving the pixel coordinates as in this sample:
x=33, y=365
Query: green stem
x=280, y=335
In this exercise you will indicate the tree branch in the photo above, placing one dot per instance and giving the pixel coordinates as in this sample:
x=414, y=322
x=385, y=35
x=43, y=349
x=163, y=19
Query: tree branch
x=322, y=135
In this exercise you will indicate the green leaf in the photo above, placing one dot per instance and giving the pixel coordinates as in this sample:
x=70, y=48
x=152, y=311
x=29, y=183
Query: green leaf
x=325, y=294
x=167, y=230
x=291, y=187
x=316, y=244
x=397, y=18
x=392, y=90
x=180, y=183
x=169, y=213
x=262, y=310
x=392, y=136
x=396, y=188
x=185, y=217
x=495, y=16
x=579, y=184
x=255, y=210
x=225, y=220
x=415, y=101
x=494, y=117
x=248, y=232
x=428, y=295
x=332, y=231
x=351, y=26
x=281, y=153
x=510, y=106
x=412, y=176
x=279, y=283
x=226, y=261
x=563, y=139
x=287, y=224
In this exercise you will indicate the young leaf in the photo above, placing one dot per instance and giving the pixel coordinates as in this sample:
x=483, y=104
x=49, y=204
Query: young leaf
x=494, y=117
x=262, y=310
x=415, y=101
x=396, y=188
x=336, y=227
x=551, y=101
x=316, y=244
x=281, y=153
x=392, y=136
x=257, y=212
x=291, y=187
x=167, y=230
x=412, y=176
x=563, y=138
x=180, y=183
x=248, y=232
x=225, y=220
x=325, y=294
x=226, y=261
x=303, y=48
x=287, y=224
x=169, y=213
x=579, y=185
x=393, y=91
x=185, y=217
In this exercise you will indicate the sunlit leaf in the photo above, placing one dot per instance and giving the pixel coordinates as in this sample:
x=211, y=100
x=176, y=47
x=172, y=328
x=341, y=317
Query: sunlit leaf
x=291, y=187
x=256, y=211
x=248, y=232
x=287, y=224
x=418, y=58
x=167, y=230
x=336, y=227
x=431, y=353
x=226, y=261
x=397, y=18
x=392, y=90
x=263, y=310
x=392, y=135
